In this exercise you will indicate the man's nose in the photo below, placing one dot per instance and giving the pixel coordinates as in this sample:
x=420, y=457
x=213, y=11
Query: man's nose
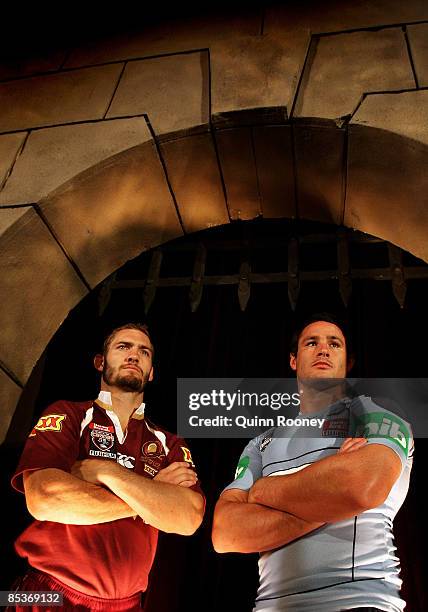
x=323, y=348
x=133, y=355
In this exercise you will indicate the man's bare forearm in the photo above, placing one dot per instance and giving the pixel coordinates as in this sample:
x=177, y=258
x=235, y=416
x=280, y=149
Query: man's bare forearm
x=240, y=526
x=55, y=495
x=334, y=488
x=166, y=506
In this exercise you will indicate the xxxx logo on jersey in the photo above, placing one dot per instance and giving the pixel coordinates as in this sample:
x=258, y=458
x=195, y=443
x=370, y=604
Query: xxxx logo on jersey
x=187, y=455
x=49, y=422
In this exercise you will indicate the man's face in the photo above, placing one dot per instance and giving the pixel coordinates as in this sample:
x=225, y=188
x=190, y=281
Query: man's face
x=128, y=362
x=321, y=352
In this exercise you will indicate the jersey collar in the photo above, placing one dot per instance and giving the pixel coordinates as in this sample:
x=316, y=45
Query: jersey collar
x=104, y=401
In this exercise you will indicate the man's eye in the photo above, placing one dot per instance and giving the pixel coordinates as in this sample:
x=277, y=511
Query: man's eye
x=146, y=352
x=335, y=344
x=310, y=343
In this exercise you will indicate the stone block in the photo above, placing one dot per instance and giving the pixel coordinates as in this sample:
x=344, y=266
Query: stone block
x=387, y=187
x=172, y=90
x=170, y=36
x=9, y=147
x=195, y=178
x=55, y=155
x=319, y=154
x=403, y=113
x=256, y=71
x=336, y=15
x=64, y=97
x=114, y=211
x=39, y=287
x=418, y=38
x=24, y=66
x=236, y=152
x=274, y=161
x=9, y=396
x=345, y=66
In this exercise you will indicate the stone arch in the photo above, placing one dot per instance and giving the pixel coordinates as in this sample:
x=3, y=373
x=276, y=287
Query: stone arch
x=135, y=141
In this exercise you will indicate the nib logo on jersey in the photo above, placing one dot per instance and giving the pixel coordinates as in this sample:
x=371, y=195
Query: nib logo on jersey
x=102, y=441
x=384, y=425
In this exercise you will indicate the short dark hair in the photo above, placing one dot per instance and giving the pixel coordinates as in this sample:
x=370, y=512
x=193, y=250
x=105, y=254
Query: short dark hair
x=142, y=327
x=328, y=317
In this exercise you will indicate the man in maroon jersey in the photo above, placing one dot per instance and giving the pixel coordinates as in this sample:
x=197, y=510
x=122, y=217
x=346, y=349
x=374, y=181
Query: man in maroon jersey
x=101, y=481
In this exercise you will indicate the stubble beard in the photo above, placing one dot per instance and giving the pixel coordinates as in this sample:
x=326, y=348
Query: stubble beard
x=125, y=382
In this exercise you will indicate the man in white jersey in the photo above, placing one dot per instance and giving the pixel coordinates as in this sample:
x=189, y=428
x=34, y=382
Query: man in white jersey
x=323, y=525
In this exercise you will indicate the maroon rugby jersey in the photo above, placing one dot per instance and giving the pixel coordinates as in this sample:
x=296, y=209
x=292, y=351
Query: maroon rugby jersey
x=113, y=559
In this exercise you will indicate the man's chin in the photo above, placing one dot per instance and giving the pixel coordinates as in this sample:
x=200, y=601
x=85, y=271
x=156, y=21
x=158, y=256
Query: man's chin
x=321, y=380
x=130, y=383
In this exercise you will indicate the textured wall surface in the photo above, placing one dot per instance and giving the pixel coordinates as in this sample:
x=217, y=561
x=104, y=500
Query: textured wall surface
x=111, y=147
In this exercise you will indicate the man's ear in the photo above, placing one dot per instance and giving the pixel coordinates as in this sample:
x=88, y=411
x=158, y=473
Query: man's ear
x=99, y=362
x=350, y=363
x=151, y=375
x=293, y=360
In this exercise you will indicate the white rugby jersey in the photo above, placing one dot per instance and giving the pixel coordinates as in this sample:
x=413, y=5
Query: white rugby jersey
x=341, y=565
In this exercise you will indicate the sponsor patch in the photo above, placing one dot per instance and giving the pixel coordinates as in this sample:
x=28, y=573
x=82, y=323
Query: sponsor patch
x=101, y=427
x=264, y=443
x=384, y=425
x=242, y=467
x=49, y=422
x=150, y=470
x=187, y=456
x=125, y=460
x=335, y=428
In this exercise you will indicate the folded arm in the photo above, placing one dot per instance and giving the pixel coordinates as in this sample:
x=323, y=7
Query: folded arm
x=334, y=488
x=241, y=526
x=54, y=495
x=165, y=502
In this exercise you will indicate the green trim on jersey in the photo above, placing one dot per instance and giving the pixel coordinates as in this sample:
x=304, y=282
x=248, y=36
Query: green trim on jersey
x=242, y=466
x=384, y=425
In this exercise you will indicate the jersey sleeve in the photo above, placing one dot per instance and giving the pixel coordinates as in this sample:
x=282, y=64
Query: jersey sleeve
x=180, y=451
x=249, y=468
x=52, y=443
x=382, y=426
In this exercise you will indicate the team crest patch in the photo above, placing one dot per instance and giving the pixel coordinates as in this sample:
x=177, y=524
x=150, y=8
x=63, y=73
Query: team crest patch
x=152, y=449
x=102, y=441
x=187, y=456
x=49, y=422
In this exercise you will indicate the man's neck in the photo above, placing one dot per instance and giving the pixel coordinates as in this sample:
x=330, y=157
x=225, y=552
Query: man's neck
x=315, y=395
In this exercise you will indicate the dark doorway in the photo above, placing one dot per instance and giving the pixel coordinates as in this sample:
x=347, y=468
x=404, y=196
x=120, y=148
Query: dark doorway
x=238, y=329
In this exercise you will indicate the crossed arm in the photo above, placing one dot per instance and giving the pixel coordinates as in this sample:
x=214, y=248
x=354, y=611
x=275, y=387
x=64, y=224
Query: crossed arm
x=279, y=509
x=334, y=488
x=99, y=491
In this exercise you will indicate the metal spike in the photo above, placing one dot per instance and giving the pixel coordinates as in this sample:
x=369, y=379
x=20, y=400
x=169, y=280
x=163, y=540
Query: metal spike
x=244, y=286
x=399, y=285
x=152, y=279
x=197, y=284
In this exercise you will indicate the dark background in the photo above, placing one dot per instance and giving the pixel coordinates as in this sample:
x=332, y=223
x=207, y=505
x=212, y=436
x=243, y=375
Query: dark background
x=220, y=340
